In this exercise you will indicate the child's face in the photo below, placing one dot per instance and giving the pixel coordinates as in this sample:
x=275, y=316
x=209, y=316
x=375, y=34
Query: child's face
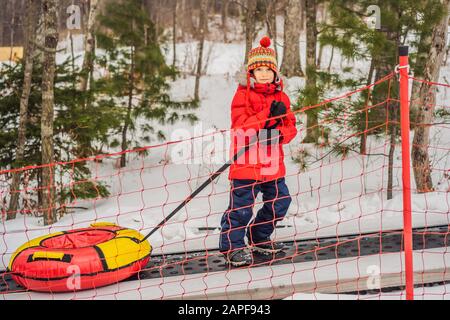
x=263, y=75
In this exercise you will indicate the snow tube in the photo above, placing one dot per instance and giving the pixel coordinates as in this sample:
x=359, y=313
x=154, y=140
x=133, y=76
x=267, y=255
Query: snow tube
x=80, y=259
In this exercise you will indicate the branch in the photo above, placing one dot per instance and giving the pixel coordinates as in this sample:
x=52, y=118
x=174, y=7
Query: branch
x=352, y=11
x=68, y=208
x=428, y=124
x=240, y=4
x=329, y=152
x=43, y=48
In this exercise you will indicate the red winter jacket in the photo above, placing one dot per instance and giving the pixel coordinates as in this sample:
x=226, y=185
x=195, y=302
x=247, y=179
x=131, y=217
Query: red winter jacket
x=250, y=110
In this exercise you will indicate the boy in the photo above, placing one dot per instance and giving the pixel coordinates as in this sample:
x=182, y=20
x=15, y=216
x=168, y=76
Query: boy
x=259, y=107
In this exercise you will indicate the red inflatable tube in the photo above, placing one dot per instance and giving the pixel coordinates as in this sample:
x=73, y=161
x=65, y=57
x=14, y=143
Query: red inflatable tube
x=80, y=259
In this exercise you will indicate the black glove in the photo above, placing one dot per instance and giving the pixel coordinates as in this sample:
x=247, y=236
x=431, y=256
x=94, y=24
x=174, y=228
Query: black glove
x=277, y=108
x=268, y=137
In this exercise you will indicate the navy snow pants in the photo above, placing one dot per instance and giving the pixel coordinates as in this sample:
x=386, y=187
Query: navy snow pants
x=243, y=194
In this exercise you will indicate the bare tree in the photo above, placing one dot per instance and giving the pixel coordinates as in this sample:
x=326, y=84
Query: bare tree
x=421, y=59
x=302, y=16
x=12, y=28
x=312, y=126
x=88, y=61
x=201, y=44
x=249, y=27
x=2, y=27
x=311, y=42
x=225, y=5
x=364, y=127
x=131, y=88
x=158, y=12
x=323, y=14
x=384, y=64
x=174, y=32
x=49, y=12
x=271, y=22
x=427, y=99
x=30, y=34
x=187, y=14
x=291, y=54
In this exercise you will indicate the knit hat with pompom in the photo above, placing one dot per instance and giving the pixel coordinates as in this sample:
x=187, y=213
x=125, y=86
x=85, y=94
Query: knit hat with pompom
x=262, y=56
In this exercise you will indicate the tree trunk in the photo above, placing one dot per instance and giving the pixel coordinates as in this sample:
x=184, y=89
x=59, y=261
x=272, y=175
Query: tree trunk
x=225, y=5
x=312, y=130
x=423, y=49
x=88, y=61
x=319, y=58
x=331, y=59
x=123, y=159
x=240, y=11
x=202, y=24
x=427, y=98
x=447, y=53
x=311, y=43
x=12, y=29
x=271, y=21
x=385, y=94
x=85, y=148
x=40, y=34
x=174, y=32
x=49, y=11
x=393, y=135
x=146, y=27
x=188, y=15
x=414, y=102
x=182, y=15
x=392, y=109
x=365, y=126
x=291, y=54
x=323, y=13
x=249, y=27
x=72, y=55
x=302, y=15
x=2, y=28
x=157, y=10
x=30, y=33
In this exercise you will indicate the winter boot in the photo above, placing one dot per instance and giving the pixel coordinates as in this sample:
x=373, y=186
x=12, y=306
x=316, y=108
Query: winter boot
x=268, y=247
x=240, y=257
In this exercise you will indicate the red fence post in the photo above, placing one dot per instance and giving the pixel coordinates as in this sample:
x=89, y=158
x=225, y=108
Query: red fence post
x=406, y=172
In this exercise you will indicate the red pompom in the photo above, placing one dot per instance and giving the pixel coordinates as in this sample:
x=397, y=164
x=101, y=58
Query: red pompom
x=265, y=42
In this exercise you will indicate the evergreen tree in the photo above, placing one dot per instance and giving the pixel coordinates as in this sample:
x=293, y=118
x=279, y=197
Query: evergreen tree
x=71, y=123
x=427, y=103
x=348, y=32
x=137, y=73
x=31, y=25
x=50, y=33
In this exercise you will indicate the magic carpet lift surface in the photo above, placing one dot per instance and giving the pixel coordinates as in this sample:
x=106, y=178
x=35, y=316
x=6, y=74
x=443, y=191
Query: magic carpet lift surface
x=80, y=259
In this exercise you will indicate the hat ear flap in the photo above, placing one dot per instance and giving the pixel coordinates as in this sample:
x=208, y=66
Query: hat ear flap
x=279, y=81
x=252, y=81
x=277, y=77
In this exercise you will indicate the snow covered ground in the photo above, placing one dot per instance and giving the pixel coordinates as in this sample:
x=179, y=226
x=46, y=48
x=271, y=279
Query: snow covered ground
x=318, y=279
x=333, y=196
x=424, y=293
